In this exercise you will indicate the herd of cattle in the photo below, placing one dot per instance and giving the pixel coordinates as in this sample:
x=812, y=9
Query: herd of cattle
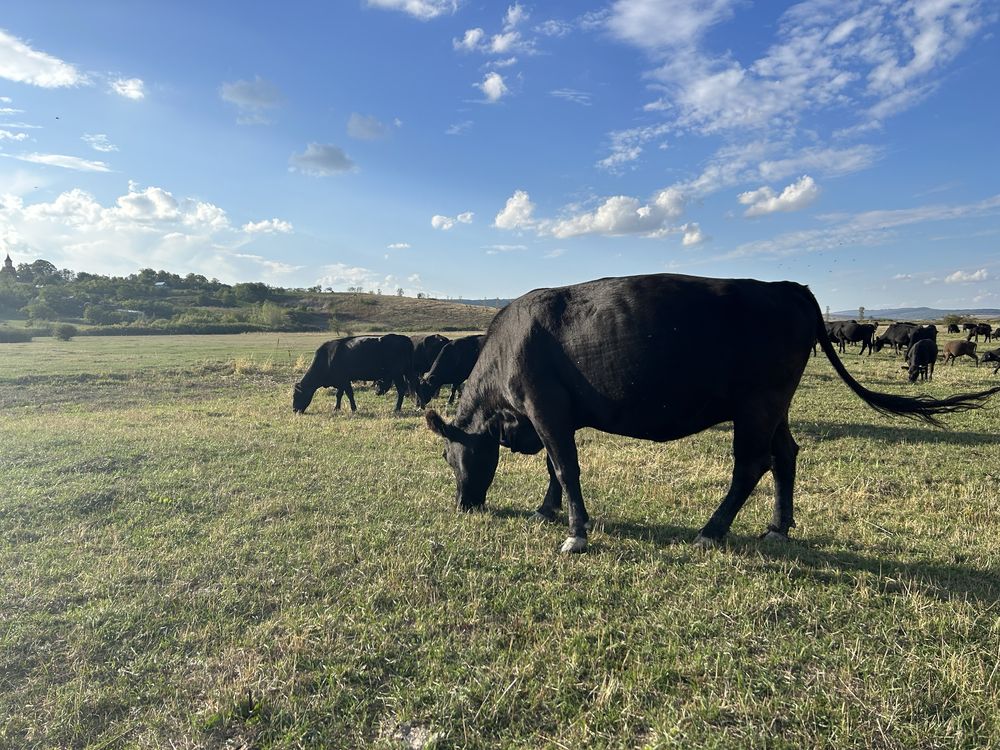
x=420, y=365
x=605, y=355
x=918, y=343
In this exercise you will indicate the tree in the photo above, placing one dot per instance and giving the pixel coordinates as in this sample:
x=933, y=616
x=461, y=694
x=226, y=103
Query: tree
x=399, y=292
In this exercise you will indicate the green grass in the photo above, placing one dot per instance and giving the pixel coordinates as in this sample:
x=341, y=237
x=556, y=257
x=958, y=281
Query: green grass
x=183, y=563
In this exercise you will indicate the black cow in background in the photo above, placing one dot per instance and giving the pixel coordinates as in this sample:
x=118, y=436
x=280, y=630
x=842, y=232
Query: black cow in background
x=923, y=333
x=604, y=354
x=920, y=359
x=980, y=329
x=992, y=356
x=453, y=364
x=996, y=334
x=953, y=328
x=850, y=331
x=897, y=335
x=341, y=361
x=425, y=350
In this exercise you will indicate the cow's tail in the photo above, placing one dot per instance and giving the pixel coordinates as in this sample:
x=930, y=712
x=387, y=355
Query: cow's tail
x=924, y=408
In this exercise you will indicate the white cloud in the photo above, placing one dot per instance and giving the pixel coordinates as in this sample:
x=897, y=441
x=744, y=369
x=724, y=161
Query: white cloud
x=794, y=197
x=99, y=142
x=517, y=213
x=65, y=162
x=399, y=246
x=692, y=234
x=321, y=160
x=572, y=95
x=964, y=277
x=6, y=135
x=268, y=226
x=445, y=223
x=459, y=128
x=146, y=227
x=130, y=88
x=366, y=127
x=22, y=64
x=516, y=14
x=493, y=87
x=252, y=99
x=503, y=43
x=496, y=249
x=627, y=145
x=656, y=24
x=470, y=41
x=422, y=9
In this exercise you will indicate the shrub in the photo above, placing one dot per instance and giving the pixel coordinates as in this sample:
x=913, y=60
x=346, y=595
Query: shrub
x=64, y=331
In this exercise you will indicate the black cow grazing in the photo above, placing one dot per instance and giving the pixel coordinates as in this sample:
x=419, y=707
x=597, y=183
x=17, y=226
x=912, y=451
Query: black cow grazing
x=992, y=356
x=953, y=328
x=853, y=332
x=955, y=349
x=896, y=335
x=921, y=359
x=425, y=350
x=923, y=333
x=340, y=361
x=610, y=354
x=969, y=326
x=980, y=329
x=453, y=364
x=996, y=334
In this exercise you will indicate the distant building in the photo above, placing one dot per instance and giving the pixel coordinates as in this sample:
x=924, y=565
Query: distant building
x=8, y=268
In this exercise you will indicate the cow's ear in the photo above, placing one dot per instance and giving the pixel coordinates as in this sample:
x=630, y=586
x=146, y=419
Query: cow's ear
x=437, y=425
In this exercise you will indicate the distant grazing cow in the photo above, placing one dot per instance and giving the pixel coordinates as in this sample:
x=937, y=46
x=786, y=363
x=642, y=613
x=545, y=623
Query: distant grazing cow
x=340, y=361
x=608, y=354
x=969, y=326
x=923, y=333
x=851, y=331
x=955, y=349
x=996, y=334
x=425, y=350
x=980, y=329
x=453, y=364
x=953, y=328
x=921, y=358
x=897, y=335
x=992, y=356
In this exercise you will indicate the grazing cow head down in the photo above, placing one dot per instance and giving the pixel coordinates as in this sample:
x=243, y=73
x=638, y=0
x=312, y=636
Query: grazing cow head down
x=301, y=398
x=472, y=456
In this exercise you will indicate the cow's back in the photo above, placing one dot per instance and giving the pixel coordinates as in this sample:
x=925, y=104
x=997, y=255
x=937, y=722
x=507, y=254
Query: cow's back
x=631, y=354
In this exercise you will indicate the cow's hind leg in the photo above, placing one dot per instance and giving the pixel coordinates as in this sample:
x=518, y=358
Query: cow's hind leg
x=340, y=397
x=784, y=450
x=349, y=390
x=400, y=384
x=552, y=503
x=752, y=438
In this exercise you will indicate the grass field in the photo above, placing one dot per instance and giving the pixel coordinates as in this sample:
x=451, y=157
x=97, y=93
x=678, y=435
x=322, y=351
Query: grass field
x=184, y=564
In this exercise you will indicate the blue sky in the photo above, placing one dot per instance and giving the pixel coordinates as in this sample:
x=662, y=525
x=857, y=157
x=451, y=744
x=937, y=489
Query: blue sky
x=483, y=149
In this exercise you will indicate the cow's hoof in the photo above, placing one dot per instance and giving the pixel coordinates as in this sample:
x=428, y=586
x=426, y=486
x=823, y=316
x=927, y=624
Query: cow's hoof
x=773, y=536
x=574, y=545
x=539, y=517
x=706, y=542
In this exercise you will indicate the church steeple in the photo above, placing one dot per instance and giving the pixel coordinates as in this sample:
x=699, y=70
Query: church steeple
x=8, y=267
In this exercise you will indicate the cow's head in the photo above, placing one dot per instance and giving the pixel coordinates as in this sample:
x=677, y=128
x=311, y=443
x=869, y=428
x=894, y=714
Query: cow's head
x=426, y=392
x=914, y=372
x=993, y=356
x=301, y=398
x=879, y=343
x=382, y=386
x=472, y=456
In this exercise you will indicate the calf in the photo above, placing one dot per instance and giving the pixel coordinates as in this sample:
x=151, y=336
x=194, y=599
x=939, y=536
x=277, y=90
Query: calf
x=955, y=349
x=920, y=360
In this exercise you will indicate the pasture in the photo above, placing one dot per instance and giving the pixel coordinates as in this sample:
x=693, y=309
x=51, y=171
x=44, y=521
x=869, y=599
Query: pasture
x=184, y=564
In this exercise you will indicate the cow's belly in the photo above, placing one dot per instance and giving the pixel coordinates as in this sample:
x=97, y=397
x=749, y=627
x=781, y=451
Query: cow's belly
x=660, y=421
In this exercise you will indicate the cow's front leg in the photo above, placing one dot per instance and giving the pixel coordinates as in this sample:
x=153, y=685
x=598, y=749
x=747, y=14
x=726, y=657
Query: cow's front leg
x=340, y=397
x=350, y=397
x=400, y=384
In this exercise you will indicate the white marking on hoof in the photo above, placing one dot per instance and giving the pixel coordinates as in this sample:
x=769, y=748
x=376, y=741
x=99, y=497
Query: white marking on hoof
x=541, y=518
x=705, y=542
x=774, y=536
x=574, y=544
